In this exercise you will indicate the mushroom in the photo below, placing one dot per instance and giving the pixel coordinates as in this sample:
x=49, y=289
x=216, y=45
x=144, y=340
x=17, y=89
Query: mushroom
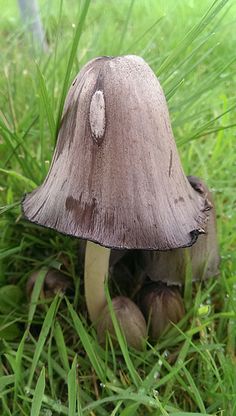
x=129, y=317
x=54, y=282
x=159, y=300
x=161, y=305
x=170, y=266
x=116, y=178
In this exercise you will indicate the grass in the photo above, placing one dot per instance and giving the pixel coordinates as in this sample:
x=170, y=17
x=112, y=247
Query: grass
x=51, y=362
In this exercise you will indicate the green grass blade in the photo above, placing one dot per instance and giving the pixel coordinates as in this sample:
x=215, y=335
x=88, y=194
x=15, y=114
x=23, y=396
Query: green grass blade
x=7, y=208
x=61, y=346
x=55, y=405
x=18, y=371
x=211, y=13
x=47, y=324
x=20, y=178
x=72, y=388
x=88, y=344
x=122, y=342
x=17, y=143
x=133, y=44
x=130, y=410
x=4, y=253
x=46, y=102
x=125, y=27
x=189, y=414
x=6, y=381
x=78, y=33
x=188, y=287
x=35, y=294
x=38, y=395
x=195, y=391
x=203, y=129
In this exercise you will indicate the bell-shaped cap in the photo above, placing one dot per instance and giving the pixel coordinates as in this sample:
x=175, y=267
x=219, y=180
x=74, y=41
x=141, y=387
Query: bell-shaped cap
x=203, y=256
x=161, y=305
x=116, y=177
x=54, y=282
x=130, y=319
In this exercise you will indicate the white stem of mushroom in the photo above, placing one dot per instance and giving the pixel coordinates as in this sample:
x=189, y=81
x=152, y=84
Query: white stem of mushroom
x=95, y=272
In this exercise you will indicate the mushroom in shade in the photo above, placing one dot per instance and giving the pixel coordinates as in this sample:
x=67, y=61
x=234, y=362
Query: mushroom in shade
x=54, y=282
x=170, y=266
x=160, y=298
x=116, y=178
x=129, y=317
x=161, y=305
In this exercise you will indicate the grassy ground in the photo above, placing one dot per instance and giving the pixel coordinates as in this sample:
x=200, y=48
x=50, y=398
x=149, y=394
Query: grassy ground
x=51, y=362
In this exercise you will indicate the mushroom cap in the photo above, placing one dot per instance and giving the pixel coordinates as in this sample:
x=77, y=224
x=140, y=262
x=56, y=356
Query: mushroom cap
x=54, y=282
x=170, y=267
x=161, y=305
x=130, y=319
x=116, y=177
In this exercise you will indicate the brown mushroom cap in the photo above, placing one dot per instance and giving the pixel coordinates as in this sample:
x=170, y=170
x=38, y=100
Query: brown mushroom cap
x=54, y=282
x=204, y=256
x=130, y=319
x=116, y=177
x=161, y=305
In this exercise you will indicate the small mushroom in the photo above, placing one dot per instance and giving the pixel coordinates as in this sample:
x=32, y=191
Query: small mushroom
x=116, y=178
x=205, y=255
x=54, y=282
x=161, y=306
x=130, y=319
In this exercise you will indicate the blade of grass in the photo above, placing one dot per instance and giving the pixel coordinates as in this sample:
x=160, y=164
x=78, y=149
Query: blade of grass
x=131, y=47
x=77, y=36
x=129, y=396
x=38, y=395
x=52, y=404
x=6, y=381
x=188, y=414
x=130, y=410
x=27, y=128
x=43, y=336
x=50, y=373
x=7, y=208
x=210, y=14
x=35, y=294
x=125, y=27
x=195, y=391
x=122, y=342
x=192, y=54
x=15, y=143
x=4, y=253
x=61, y=346
x=72, y=388
x=18, y=371
x=188, y=280
x=20, y=178
x=46, y=102
x=210, y=82
x=88, y=344
x=10, y=99
x=79, y=407
x=200, y=132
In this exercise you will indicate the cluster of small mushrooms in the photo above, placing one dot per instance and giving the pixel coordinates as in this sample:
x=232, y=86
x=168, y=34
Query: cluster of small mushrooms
x=117, y=182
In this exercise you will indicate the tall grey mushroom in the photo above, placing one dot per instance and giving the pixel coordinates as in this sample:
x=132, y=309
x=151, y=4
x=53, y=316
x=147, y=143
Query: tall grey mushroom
x=167, y=271
x=116, y=178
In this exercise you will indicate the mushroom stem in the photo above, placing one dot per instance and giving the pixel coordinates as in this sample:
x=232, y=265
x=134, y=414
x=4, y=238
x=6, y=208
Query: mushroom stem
x=95, y=272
